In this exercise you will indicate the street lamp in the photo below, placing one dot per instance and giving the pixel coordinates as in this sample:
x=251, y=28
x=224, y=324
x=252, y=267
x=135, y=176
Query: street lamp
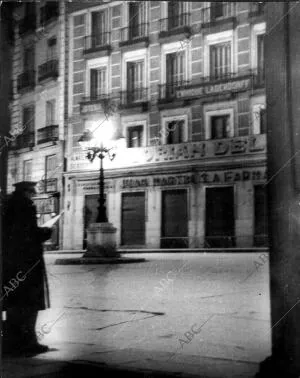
x=101, y=236
x=95, y=148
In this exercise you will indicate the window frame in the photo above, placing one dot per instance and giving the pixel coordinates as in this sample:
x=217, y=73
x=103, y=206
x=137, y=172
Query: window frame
x=27, y=177
x=164, y=132
x=97, y=63
x=219, y=112
x=131, y=129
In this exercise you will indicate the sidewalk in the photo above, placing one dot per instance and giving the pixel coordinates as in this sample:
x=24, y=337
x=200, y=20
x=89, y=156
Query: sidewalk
x=72, y=359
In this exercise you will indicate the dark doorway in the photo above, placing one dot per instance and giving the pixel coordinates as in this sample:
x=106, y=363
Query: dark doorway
x=260, y=216
x=133, y=218
x=219, y=217
x=174, y=227
x=90, y=213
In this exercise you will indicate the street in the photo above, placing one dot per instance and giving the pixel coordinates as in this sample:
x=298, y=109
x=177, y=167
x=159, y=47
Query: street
x=213, y=306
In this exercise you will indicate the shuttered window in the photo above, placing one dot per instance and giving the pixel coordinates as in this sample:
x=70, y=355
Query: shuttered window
x=220, y=60
x=27, y=170
x=99, y=28
x=219, y=127
x=50, y=112
x=135, y=136
x=50, y=165
x=98, y=82
x=260, y=56
x=175, y=132
x=137, y=19
x=28, y=118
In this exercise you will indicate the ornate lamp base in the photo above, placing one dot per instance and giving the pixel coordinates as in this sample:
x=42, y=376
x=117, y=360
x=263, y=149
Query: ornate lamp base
x=101, y=240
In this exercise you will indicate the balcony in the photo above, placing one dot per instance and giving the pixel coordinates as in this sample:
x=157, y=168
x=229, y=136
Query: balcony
x=218, y=14
x=27, y=24
x=26, y=80
x=97, y=42
x=24, y=140
x=103, y=103
x=175, y=25
x=167, y=92
x=49, y=12
x=137, y=97
x=48, y=70
x=47, y=134
x=135, y=34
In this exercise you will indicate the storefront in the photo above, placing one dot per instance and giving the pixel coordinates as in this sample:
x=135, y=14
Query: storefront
x=189, y=208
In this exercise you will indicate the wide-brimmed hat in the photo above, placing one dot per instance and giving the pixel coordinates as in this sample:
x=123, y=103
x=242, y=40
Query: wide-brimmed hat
x=28, y=186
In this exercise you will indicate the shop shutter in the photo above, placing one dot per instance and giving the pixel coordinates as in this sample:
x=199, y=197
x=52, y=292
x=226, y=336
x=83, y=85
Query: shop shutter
x=133, y=218
x=219, y=217
x=174, y=229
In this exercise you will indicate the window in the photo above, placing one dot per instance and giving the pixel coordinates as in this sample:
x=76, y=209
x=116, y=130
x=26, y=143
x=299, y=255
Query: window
x=135, y=80
x=27, y=170
x=220, y=9
x=135, y=136
x=28, y=61
x=50, y=112
x=260, y=56
x=98, y=82
x=99, y=28
x=259, y=119
x=50, y=166
x=219, y=126
x=175, y=132
x=175, y=14
x=51, y=48
x=137, y=17
x=28, y=118
x=220, y=60
x=175, y=71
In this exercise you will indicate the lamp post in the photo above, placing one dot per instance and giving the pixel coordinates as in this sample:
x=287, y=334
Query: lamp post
x=101, y=152
x=101, y=236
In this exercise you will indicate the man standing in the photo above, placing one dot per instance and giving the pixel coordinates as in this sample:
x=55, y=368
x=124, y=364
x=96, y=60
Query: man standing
x=25, y=287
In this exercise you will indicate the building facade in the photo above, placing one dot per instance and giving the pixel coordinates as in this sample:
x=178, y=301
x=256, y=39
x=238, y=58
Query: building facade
x=36, y=140
x=181, y=86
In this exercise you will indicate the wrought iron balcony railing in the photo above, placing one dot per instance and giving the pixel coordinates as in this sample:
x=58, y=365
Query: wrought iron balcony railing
x=26, y=80
x=47, y=134
x=27, y=24
x=96, y=98
x=167, y=92
x=217, y=12
x=24, y=140
x=174, y=25
x=48, y=69
x=49, y=12
x=134, y=33
x=96, y=42
x=134, y=97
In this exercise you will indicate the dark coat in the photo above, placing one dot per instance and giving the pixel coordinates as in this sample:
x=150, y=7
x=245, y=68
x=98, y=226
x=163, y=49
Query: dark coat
x=24, y=274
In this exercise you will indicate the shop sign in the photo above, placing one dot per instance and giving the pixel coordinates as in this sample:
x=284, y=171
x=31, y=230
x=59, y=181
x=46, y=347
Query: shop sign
x=219, y=177
x=88, y=108
x=45, y=205
x=212, y=89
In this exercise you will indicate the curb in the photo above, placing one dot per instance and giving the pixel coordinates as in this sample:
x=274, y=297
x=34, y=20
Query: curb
x=99, y=260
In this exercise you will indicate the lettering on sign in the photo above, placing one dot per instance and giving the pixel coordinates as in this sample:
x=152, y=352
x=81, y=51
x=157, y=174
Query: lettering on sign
x=204, y=90
x=87, y=108
x=201, y=177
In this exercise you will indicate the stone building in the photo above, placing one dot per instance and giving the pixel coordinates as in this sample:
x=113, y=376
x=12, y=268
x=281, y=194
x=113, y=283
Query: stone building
x=36, y=139
x=181, y=87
